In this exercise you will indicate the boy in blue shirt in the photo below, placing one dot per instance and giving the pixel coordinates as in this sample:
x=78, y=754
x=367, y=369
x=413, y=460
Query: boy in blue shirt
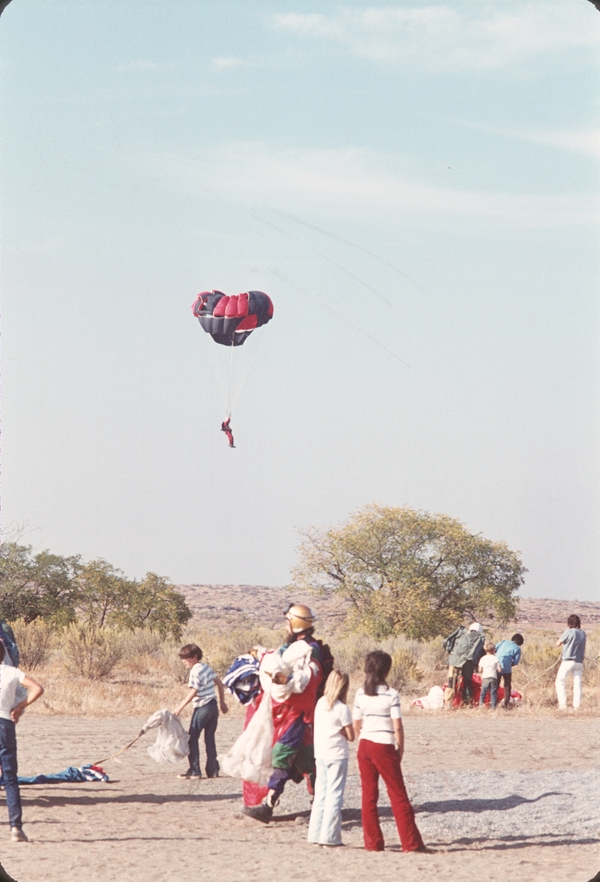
x=509, y=655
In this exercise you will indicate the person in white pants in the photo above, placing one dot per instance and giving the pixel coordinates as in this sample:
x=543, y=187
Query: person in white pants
x=573, y=653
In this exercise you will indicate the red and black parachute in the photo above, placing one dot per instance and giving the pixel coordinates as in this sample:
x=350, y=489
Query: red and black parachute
x=231, y=320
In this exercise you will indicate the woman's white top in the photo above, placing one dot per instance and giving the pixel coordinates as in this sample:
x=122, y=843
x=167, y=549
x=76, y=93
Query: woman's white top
x=9, y=680
x=330, y=744
x=377, y=713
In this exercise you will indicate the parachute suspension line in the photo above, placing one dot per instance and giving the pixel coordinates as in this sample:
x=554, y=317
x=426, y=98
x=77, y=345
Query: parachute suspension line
x=229, y=403
x=343, y=318
x=246, y=372
x=216, y=372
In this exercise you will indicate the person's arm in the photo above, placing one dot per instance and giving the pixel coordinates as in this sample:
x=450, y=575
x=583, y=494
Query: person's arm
x=221, y=691
x=357, y=726
x=399, y=735
x=559, y=642
x=191, y=694
x=348, y=732
x=34, y=690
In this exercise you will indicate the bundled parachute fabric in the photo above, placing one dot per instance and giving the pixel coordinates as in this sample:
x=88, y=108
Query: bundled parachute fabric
x=70, y=775
x=434, y=700
x=431, y=701
x=250, y=756
x=172, y=741
x=242, y=678
x=231, y=320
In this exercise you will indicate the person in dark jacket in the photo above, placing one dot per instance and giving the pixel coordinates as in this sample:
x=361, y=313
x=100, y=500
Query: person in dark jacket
x=465, y=648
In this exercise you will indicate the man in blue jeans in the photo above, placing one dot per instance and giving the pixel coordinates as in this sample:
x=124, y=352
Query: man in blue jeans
x=10, y=714
x=201, y=691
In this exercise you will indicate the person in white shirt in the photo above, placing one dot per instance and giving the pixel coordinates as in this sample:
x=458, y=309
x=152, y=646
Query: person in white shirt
x=377, y=720
x=10, y=714
x=332, y=732
x=489, y=667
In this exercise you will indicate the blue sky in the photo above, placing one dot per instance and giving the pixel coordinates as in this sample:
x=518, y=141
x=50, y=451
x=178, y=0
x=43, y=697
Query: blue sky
x=416, y=187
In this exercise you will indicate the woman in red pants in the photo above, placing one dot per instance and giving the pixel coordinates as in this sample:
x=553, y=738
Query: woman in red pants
x=377, y=721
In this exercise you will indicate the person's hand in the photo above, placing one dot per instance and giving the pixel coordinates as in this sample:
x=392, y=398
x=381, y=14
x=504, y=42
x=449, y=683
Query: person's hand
x=280, y=679
x=176, y=713
x=224, y=709
x=17, y=712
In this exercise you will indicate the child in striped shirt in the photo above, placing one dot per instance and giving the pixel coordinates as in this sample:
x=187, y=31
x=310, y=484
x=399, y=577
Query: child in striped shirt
x=377, y=721
x=201, y=693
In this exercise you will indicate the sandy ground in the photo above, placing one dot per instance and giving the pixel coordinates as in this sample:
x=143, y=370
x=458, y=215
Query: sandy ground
x=146, y=824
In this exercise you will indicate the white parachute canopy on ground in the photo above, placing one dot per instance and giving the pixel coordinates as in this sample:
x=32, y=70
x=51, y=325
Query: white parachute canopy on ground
x=172, y=741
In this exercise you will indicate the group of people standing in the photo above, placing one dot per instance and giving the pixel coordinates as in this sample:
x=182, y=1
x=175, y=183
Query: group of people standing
x=292, y=679
x=299, y=722
x=469, y=653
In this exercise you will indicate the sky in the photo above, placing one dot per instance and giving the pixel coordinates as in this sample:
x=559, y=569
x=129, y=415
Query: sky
x=416, y=187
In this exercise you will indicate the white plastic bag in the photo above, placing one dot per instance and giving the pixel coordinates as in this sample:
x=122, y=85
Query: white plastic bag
x=172, y=741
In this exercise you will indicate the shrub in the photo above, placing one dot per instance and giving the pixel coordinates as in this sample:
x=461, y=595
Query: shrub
x=90, y=652
x=35, y=640
x=221, y=647
x=405, y=670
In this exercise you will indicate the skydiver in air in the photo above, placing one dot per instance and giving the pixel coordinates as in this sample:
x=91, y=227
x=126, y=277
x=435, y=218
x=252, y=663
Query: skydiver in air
x=226, y=428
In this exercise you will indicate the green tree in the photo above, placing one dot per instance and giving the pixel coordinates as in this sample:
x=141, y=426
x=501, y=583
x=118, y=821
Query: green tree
x=154, y=604
x=103, y=591
x=409, y=572
x=41, y=586
x=106, y=597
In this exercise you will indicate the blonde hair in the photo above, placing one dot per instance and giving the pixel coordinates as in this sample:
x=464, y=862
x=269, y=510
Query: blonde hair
x=336, y=688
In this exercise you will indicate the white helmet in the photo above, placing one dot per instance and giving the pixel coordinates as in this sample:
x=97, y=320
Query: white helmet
x=476, y=627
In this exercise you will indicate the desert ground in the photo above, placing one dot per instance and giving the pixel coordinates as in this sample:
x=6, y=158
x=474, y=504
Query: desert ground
x=480, y=783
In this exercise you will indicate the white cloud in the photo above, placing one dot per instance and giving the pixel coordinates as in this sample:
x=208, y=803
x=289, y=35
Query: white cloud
x=226, y=63
x=583, y=141
x=361, y=181
x=464, y=36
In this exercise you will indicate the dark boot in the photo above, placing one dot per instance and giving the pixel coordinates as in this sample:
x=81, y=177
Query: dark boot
x=262, y=812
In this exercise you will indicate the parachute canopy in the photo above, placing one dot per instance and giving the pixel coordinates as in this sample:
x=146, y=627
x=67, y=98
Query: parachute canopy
x=231, y=320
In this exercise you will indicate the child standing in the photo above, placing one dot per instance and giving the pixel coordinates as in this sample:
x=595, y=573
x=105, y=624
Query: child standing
x=378, y=724
x=509, y=656
x=332, y=732
x=488, y=668
x=201, y=692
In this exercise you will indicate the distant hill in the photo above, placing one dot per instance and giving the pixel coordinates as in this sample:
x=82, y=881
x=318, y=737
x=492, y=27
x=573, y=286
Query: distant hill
x=264, y=605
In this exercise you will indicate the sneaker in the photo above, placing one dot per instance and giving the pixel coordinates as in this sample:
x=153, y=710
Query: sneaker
x=262, y=812
x=189, y=776
x=17, y=835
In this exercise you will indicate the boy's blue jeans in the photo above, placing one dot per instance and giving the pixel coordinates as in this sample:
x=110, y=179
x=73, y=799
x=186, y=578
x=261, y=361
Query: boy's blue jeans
x=489, y=685
x=204, y=718
x=8, y=762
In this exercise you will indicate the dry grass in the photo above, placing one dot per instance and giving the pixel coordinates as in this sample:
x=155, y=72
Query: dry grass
x=148, y=673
